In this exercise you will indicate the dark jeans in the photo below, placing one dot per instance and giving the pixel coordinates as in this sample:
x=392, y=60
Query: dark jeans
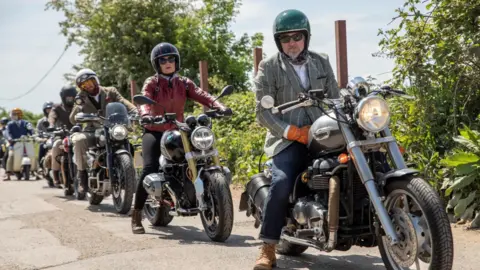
x=286, y=167
x=41, y=151
x=151, y=154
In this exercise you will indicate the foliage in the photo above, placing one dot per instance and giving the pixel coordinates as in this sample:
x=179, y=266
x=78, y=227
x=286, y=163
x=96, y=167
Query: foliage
x=117, y=37
x=433, y=51
x=239, y=139
x=464, y=178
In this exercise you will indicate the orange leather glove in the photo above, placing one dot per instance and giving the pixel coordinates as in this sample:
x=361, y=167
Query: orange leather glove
x=298, y=134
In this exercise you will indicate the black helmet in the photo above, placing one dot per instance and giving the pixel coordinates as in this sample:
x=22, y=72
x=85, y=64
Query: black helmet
x=68, y=91
x=47, y=105
x=171, y=146
x=164, y=49
x=4, y=121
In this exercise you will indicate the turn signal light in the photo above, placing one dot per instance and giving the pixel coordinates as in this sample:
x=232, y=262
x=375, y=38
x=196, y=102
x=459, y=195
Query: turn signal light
x=343, y=158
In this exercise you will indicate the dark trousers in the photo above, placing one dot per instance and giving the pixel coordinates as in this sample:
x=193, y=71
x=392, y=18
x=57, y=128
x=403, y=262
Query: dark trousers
x=286, y=167
x=41, y=151
x=151, y=154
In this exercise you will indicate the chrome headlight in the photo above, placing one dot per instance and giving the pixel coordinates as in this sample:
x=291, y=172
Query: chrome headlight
x=373, y=114
x=202, y=138
x=118, y=132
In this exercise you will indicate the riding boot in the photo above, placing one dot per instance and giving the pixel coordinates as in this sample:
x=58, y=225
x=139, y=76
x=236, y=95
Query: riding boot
x=137, y=227
x=56, y=178
x=82, y=177
x=267, y=259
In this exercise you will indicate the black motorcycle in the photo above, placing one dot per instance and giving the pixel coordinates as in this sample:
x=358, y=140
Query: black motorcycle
x=110, y=164
x=191, y=179
x=349, y=195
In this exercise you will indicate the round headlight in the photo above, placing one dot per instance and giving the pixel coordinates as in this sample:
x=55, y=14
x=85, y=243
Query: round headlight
x=373, y=114
x=202, y=138
x=118, y=132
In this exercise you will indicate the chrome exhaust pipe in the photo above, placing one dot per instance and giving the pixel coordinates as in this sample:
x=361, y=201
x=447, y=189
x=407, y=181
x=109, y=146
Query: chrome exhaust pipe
x=333, y=212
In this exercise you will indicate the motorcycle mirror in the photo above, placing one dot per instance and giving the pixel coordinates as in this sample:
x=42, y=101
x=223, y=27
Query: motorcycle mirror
x=267, y=102
x=142, y=100
x=227, y=90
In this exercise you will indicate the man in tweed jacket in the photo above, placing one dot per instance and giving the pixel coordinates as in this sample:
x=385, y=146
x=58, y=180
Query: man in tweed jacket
x=291, y=71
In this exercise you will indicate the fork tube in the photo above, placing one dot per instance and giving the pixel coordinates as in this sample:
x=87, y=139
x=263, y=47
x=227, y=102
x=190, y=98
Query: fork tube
x=192, y=164
x=367, y=178
x=394, y=151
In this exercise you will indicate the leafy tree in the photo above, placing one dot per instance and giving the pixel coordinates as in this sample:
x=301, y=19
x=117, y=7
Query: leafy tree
x=434, y=50
x=117, y=37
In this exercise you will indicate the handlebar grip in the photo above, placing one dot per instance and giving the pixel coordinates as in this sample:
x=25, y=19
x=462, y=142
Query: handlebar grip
x=288, y=104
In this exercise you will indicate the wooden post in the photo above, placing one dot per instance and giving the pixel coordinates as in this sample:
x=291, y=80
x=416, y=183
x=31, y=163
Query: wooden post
x=257, y=57
x=133, y=89
x=204, y=77
x=341, y=44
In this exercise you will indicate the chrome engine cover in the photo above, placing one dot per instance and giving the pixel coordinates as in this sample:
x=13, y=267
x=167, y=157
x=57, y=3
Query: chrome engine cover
x=309, y=213
x=153, y=184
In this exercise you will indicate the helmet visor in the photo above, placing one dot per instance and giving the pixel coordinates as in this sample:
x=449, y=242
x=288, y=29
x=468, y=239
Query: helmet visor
x=88, y=85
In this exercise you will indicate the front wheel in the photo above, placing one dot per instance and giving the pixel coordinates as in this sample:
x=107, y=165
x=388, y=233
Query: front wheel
x=26, y=172
x=217, y=220
x=422, y=225
x=124, y=188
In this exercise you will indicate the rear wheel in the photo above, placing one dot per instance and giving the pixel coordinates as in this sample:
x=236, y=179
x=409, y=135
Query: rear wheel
x=422, y=226
x=94, y=199
x=158, y=216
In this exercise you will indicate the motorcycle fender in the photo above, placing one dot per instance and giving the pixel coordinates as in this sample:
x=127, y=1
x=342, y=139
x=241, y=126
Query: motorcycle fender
x=121, y=151
x=243, y=202
x=225, y=169
x=26, y=161
x=396, y=174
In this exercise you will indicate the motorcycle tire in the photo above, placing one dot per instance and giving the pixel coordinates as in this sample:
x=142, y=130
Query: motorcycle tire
x=431, y=207
x=223, y=207
x=125, y=166
x=18, y=175
x=158, y=216
x=26, y=172
x=95, y=199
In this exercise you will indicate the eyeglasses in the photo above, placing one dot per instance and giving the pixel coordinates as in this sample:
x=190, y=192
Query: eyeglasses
x=164, y=60
x=286, y=38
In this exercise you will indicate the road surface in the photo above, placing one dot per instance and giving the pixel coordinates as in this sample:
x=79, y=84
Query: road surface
x=41, y=229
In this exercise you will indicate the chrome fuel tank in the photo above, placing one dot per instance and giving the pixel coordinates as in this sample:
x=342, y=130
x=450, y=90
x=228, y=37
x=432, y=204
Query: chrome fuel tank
x=325, y=135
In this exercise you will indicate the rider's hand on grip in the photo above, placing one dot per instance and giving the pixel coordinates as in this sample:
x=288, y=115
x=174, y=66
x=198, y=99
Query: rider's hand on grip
x=298, y=134
x=147, y=119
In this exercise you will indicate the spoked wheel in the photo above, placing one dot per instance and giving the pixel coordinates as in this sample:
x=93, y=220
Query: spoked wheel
x=417, y=214
x=217, y=220
x=123, y=189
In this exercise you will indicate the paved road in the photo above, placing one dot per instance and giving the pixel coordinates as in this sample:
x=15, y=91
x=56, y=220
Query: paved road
x=41, y=229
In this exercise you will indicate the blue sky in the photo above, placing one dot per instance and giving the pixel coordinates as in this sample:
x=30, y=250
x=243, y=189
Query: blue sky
x=31, y=41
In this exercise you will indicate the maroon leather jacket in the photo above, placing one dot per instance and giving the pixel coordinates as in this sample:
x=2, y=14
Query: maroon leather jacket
x=172, y=95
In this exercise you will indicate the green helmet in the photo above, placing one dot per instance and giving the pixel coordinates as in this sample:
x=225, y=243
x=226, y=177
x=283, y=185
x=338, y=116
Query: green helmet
x=291, y=20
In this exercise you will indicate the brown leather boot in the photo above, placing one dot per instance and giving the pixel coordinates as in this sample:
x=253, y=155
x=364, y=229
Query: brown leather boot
x=267, y=259
x=137, y=227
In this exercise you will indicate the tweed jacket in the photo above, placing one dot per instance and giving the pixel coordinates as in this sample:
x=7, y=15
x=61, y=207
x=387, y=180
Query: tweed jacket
x=277, y=77
x=107, y=95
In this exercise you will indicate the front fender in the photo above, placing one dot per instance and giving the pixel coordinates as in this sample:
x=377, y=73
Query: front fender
x=224, y=169
x=396, y=174
x=122, y=151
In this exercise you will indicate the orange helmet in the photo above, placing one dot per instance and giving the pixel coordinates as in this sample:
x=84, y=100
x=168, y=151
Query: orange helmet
x=18, y=112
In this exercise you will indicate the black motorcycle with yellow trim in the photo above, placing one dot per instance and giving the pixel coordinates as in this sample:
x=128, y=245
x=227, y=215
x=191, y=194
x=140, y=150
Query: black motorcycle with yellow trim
x=110, y=163
x=190, y=179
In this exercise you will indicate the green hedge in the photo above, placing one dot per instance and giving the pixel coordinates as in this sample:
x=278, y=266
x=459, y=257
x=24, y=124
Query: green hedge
x=240, y=138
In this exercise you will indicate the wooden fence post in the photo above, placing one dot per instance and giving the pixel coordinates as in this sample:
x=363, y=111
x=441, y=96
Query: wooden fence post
x=257, y=57
x=204, y=77
x=133, y=89
x=341, y=44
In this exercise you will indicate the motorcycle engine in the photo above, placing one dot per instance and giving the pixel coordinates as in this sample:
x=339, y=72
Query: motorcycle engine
x=153, y=184
x=310, y=214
